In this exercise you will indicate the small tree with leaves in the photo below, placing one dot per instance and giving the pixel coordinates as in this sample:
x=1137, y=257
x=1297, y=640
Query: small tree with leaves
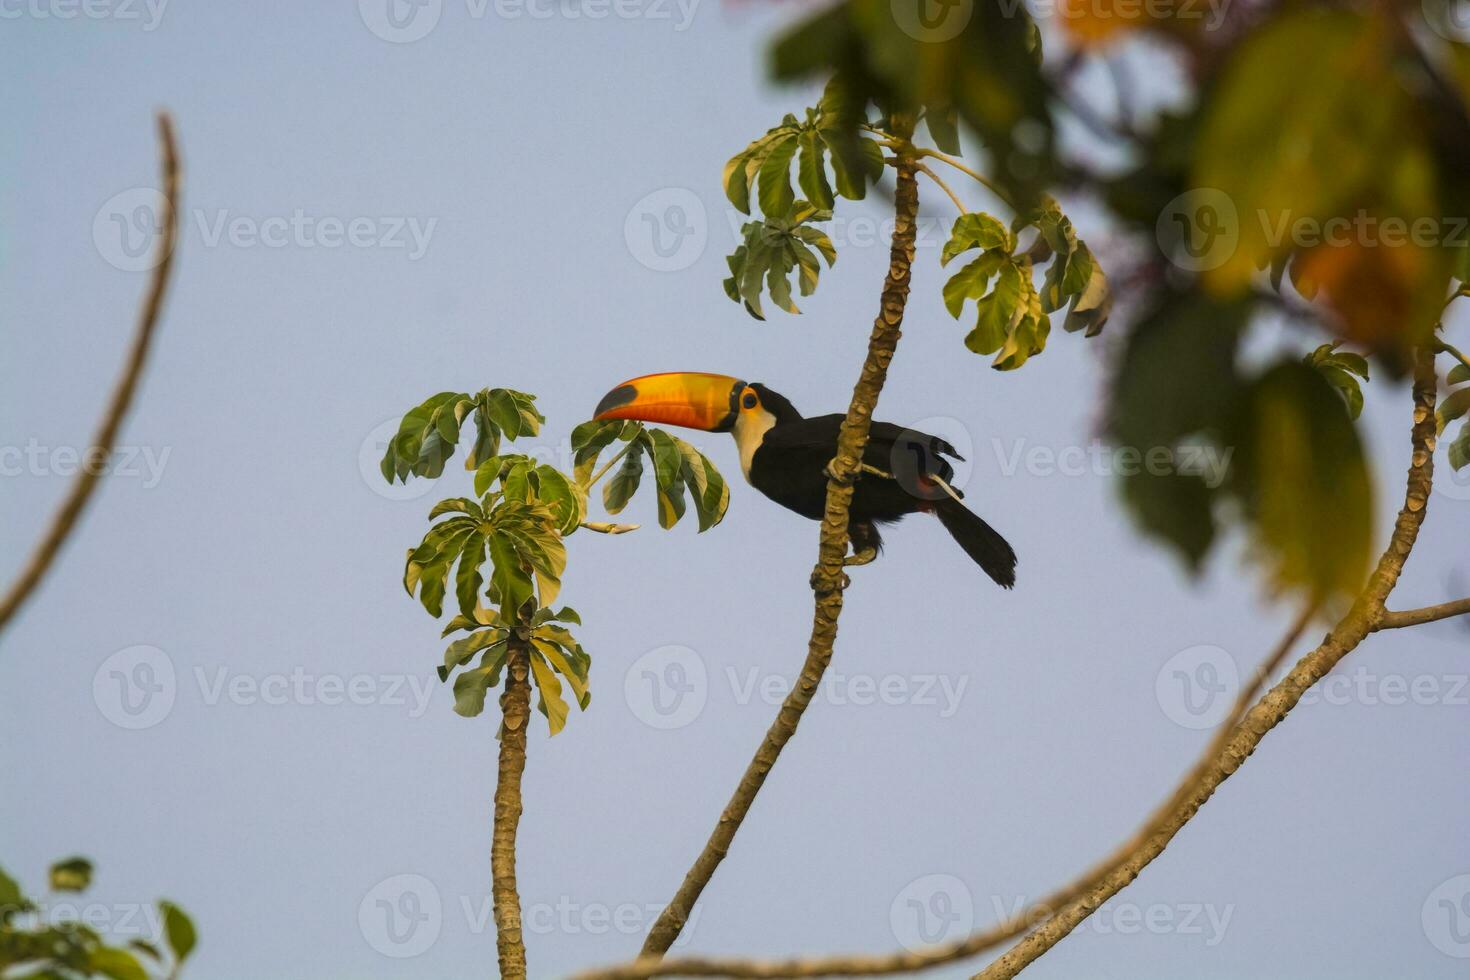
x=500, y=555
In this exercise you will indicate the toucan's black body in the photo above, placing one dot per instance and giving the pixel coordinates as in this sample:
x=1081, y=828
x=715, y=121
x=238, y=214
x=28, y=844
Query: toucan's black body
x=785, y=457
x=789, y=467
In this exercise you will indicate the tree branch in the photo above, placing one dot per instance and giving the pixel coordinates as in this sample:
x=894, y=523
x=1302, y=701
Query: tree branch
x=928, y=172
x=828, y=579
x=1233, y=744
x=76, y=500
x=1416, y=617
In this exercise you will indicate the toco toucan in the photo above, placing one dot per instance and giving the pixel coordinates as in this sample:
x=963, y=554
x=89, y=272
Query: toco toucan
x=785, y=457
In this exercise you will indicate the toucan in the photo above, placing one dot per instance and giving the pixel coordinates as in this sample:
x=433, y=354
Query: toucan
x=785, y=457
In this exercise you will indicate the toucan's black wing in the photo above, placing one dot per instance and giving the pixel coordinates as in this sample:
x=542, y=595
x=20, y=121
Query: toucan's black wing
x=806, y=446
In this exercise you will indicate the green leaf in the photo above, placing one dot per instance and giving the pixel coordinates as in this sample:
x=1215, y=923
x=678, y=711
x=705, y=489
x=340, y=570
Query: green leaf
x=470, y=689
x=812, y=170
x=1460, y=449
x=980, y=231
x=116, y=963
x=776, y=196
x=620, y=488
x=1091, y=308
x=71, y=875
x=1456, y=404
x=566, y=668
x=944, y=129
x=549, y=689
x=467, y=580
x=1459, y=374
x=178, y=930
x=972, y=281
x=510, y=583
x=460, y=505
x=461, y=651
x=566, y=500
x=1305, y=483
x=997, y=312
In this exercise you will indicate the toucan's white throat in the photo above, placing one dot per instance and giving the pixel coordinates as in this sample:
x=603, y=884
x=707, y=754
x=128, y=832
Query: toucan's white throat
x=749, y=432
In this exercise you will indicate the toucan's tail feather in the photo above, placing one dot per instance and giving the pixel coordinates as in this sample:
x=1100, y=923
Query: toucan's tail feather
x=981, y=542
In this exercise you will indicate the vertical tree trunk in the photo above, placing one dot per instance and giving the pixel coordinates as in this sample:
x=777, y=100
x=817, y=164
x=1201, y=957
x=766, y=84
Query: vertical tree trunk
x=828, y=578
x=515, y=707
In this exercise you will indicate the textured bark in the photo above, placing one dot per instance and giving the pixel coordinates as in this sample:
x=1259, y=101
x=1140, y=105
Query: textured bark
x=515, y=707
x=828, y=578
x=122, y=396
x=1225, y=754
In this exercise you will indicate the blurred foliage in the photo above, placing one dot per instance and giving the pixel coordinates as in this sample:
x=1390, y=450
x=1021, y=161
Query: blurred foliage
x=1316, y=173
x=500, y=555
x=36, y=944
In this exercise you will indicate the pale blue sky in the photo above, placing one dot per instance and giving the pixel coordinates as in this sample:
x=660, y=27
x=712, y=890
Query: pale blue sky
x=1032, y=731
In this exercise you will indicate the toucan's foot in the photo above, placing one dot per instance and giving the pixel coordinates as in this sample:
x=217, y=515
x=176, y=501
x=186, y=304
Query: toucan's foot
x=861, y=557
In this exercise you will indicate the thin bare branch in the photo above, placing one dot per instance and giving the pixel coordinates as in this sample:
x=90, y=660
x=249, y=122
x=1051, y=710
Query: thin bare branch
x=925, y=169
x=1417, y=617
x=100, y=450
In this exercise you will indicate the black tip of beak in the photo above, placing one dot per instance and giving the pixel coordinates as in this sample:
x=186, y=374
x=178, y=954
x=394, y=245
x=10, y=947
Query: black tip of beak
x=618, y=397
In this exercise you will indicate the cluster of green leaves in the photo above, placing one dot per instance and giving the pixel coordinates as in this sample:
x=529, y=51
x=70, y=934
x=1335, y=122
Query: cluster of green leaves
x=1456, y=405
x=1013, y=315
x=554, y=652
x=502, y=554
x=782, y=240
x=1288, y=461
x=679, y=471
x=33, y=946
x=976, y=62
x=428, y=434
x=770, y=249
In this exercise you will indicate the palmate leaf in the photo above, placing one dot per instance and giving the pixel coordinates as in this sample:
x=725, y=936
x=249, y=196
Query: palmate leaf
x=1013, y=317
x=679, y=471
x=429, y=433
x=771, y=250
x=823, y=136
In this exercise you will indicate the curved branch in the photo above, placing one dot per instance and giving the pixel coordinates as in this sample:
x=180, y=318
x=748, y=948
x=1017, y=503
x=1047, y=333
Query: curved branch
x=828, y=579
x=1268, y=713
x=76, y=500
x=1233, y=744
x=1416, y=617
x=928, y=172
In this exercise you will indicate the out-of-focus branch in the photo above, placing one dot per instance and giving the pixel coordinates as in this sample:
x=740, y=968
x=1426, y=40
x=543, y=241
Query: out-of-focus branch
x=122, y=396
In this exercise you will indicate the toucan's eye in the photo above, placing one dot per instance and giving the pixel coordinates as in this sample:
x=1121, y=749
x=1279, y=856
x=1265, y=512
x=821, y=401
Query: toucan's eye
x=749, y=401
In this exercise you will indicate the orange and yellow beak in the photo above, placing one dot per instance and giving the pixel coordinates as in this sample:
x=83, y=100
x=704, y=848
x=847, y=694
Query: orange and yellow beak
x=688, y=398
